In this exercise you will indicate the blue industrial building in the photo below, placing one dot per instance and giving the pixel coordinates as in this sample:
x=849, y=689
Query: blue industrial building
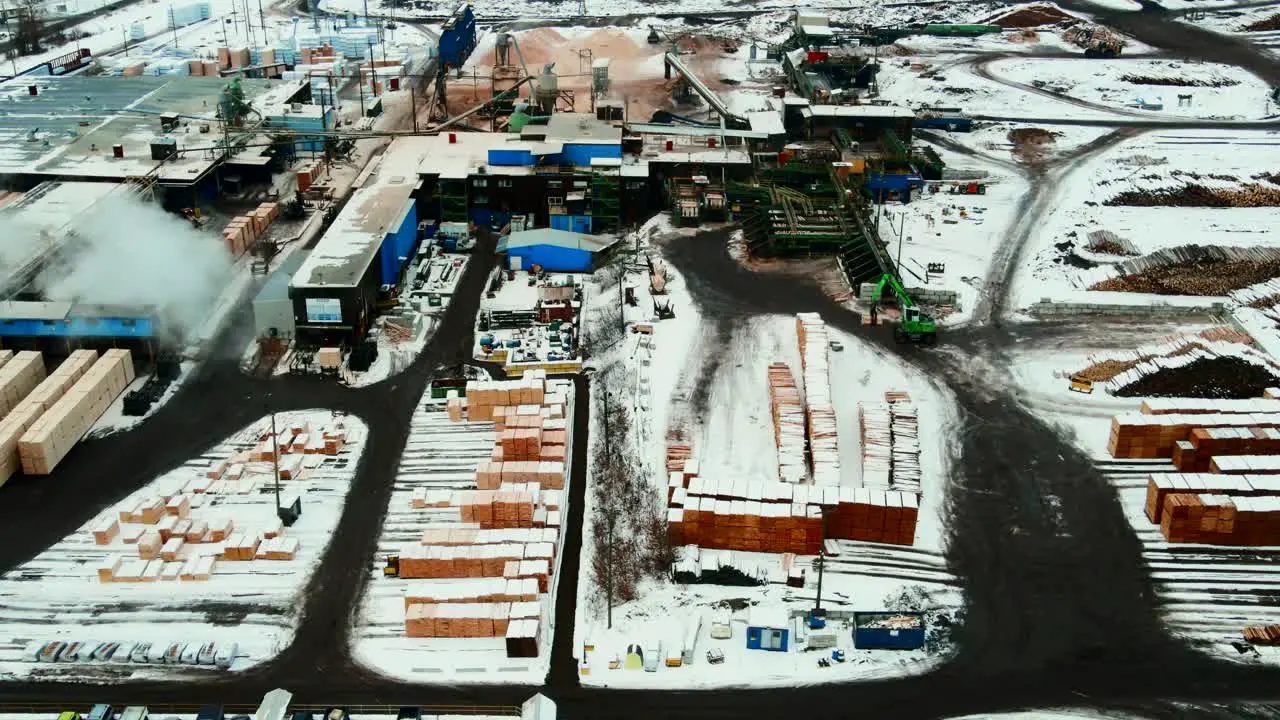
x=303, y=117
x=37, y=322
x=457, y=37
x=768, y=629
x=553, y=250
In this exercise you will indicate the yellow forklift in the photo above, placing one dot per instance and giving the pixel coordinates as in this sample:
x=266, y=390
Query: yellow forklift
x=392, y=567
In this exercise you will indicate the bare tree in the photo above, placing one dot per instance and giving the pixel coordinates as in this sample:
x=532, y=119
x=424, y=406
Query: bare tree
x=29, y=32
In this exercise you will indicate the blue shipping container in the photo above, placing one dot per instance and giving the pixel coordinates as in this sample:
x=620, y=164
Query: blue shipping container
x=765, y=638
x=867, y=636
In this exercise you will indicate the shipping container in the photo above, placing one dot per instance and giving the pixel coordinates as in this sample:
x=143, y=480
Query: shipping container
x=888, y=630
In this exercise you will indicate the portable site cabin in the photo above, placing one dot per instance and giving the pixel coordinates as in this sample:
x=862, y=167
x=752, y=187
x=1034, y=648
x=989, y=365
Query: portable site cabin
x=768, y=629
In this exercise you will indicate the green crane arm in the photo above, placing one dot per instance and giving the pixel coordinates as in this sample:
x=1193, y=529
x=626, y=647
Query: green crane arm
x=897, y=289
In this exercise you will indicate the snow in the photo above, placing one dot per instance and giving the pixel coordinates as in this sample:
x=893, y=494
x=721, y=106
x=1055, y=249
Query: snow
x=69, y=603
x=735, y=439
x=1199, y=586
x=1150, y=161
x=441, y=454
x=1100, y=82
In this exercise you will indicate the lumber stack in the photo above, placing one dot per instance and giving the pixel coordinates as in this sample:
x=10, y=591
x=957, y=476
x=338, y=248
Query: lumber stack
x=18, y=377
x=458, y=561
x=471, y=590
x=1221, y=520
x=875, y=428
x=1195, y=453
x=522, y=638
x=876, y=516
x=50, y=438
x=457, y=620
x=494, y=508
x=1245, y=464
x=1161, y=485
x=820, y=415
x=905, y=429
x=1263, y=634
x=1138, y=435
x=748, y=526
x=788, y=423
x=484, y=395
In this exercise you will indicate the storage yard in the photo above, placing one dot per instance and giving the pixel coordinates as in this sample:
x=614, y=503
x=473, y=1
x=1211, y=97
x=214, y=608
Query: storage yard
x=468, y=562
x=693, y=348
x=198, y=545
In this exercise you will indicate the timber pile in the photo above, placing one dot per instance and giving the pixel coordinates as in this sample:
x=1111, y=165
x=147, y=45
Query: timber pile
x=1196, y=195
x=1030, y=16
x=1165, y=80
x=906, y=445
x=1263, y=634
x=788, y=423
x=1264, y=25
x=1221, y=520
x=1260, y=296
x=1105, y=368
x=1136, y=435
x=875, y=422
x=1108, y=243
x=1216, y=377
x=1187, y=270
x=824, y=451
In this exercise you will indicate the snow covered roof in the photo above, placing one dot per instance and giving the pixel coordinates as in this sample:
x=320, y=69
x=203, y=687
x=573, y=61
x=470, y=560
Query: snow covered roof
x=344, y=252
x=469, y=151
x=865, y=111
x=694, y=131
x=711, y=157
x=558, y=238
x=817, y=30
x=768, y=122
x=579, y=129
x=768, y=616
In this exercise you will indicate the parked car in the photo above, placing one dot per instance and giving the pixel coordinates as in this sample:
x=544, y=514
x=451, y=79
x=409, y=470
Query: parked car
x=140, y=652
x=226, y=654
x=71, y=652
x=210, y=712
x=102, y=654
x=173, y=653
x=50, y=651
x=715, y=656
x=208, y=655
x=124, y=653
x=156, y=655
x=190, y=653
x=102, y=711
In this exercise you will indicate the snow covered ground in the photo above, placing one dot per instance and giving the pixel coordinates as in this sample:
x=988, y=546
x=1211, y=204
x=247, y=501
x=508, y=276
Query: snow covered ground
x=1120, y=83
x=443, y=455
x=1236, y=22
x=1153, y=160
x=253, y=604
x=735, y=439
x=1203, y=589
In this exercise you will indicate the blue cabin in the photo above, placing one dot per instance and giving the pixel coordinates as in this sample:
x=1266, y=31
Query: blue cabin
x=768, y=629
x=554, y=250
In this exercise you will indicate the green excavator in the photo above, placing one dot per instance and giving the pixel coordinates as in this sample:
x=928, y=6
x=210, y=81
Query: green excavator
x=916, y=325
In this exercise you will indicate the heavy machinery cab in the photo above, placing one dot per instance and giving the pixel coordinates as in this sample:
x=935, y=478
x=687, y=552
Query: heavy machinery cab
x=392, y=568
x=916, y=325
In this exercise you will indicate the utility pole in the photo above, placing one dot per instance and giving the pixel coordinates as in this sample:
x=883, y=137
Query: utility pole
x=821, y=562
x=275, y=454
x=622, y=302
x=262, y=18
x=173, y=24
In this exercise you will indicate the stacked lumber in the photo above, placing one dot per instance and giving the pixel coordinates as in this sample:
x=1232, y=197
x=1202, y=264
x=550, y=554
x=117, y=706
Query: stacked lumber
x=1204, y=444
x=494, y=508
x=824, y=451
x=462, y=534
x=454, y=406
x=544, y=474
x=1161, y=485
x=875, y=516
x=18, y=377
x=676, y=457
x=121, y=569
x=535, y=569
x=240, y=546
x=277, y=548
x=1194, y=406
x=1263, y=635
x=471, y=590
x=522, y=638
x=875, y=427
x=1245, y=464
x=788, y=423
x=458, y=561
x=484, y=395
x=51, y=437
x=745, y=525
x=1137, y=435
x=905, y=429
x=458, y=620
x=1221, y=520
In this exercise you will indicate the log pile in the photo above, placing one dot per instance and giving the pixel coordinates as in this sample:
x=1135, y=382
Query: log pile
x=1269, y=24
x=1175, y=81
x=1196, y=195
x=1204, y=377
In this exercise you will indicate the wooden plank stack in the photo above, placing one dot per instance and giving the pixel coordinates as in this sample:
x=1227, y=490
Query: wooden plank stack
x=522, y=638
x=875, y=427
x=875, y=516
x=458, y=620
x=50, y=438
x=470, y=590
x=788, y=423
x=820, y=415
x=1221, y=520
x=1195, y=453
x=484, y=395
x=1245, y=464
x=1138, y=435
x=906, y=442
x=458, y=561
x=1263, y=635
x=18, y=377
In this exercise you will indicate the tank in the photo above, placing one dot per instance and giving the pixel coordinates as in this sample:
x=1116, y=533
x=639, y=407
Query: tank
x=548, y=90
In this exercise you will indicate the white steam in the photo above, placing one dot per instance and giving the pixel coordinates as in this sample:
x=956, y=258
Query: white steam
x=133, y=253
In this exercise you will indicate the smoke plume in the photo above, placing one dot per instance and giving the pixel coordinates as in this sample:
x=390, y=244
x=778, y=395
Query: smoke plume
x=129, y=252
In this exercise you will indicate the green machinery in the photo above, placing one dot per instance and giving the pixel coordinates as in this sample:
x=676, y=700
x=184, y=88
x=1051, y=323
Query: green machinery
x=916, y=325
